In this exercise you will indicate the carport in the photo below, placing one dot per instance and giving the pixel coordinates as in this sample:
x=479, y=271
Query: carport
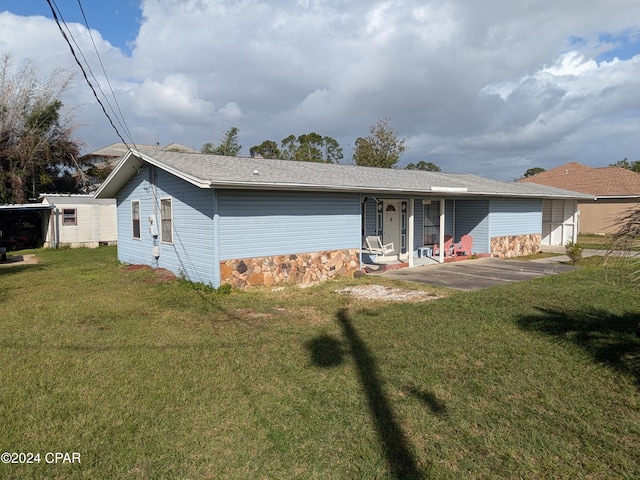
x=23, y=225
x=477, y=274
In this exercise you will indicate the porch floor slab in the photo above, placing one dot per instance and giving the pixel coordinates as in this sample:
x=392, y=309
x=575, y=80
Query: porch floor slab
x=477, y=274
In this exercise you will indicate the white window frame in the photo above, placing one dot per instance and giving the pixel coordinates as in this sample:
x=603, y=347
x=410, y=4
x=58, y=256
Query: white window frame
x=69, y=220
x=133, y=220
x=163, y=220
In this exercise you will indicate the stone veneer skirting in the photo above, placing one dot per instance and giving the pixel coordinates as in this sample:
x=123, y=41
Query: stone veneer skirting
x=515, y=245
x=302, y=268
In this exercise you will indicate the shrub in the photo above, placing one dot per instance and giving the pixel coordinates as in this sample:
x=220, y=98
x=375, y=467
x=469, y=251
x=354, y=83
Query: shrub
x=573, y=251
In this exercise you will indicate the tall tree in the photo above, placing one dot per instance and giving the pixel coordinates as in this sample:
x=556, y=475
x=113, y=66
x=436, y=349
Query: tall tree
x=229, y=145
x=267, y=149
x=424, y=166
x=382, y=148
x=37, y=151
x=533, y=171
x=311, y=147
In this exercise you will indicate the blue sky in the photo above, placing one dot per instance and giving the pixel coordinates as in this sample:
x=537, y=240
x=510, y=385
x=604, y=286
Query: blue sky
x=117, y=20
x=624, y=47
x=492, y=88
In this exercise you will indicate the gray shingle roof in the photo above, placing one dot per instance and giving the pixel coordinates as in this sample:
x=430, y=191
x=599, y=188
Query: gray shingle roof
x=63, y=199
x=116, y=150
x=208, y=171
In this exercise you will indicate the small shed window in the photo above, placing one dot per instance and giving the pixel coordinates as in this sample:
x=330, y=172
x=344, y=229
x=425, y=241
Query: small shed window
x=69, y=216
x=166, y=216
x=135, y=218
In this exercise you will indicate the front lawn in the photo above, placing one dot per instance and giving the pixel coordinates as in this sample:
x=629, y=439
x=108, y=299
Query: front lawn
x=149, y=378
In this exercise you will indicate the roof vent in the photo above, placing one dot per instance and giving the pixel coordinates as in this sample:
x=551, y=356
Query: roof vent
x=255, y=172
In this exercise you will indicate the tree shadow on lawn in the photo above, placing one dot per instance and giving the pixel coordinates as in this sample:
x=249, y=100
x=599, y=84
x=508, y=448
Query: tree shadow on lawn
x=13, y=268
x=613, y=340
x=437, y=406
x=326, y=352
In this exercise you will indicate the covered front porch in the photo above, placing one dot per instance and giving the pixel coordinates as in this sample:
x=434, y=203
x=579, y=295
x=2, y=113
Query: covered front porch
x=405, y=232
x=448, y=226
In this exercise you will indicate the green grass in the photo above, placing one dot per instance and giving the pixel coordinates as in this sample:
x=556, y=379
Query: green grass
x=153, y=379
x=602, y=242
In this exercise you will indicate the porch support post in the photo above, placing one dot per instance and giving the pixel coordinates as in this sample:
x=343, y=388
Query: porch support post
x=410, y=247
x=441, y=256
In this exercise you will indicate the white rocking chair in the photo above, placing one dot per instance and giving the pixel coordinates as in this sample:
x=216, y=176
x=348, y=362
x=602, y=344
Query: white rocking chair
x=374, y=245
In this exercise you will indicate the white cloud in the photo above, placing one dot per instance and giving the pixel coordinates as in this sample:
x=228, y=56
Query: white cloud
x=484, y=87
x=175, y=97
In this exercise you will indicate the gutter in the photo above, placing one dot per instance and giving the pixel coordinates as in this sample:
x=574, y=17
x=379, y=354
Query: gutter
x=614, y=197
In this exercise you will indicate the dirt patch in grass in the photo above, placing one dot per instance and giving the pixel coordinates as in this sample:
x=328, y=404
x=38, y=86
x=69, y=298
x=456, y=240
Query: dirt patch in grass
x=250, y=313
x=156, y=275
x=380, y=292
x=20, y=260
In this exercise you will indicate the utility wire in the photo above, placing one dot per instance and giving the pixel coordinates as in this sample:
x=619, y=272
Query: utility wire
x=84, y=73
x=87, y=64
x=121, y=119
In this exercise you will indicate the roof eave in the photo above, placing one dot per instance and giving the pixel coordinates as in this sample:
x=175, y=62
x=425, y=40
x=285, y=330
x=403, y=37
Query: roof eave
x=121, y=174
x=130, y=165
x=198, y=182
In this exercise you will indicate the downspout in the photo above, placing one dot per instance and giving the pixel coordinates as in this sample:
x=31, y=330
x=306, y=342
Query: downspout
x=55, y=228
x=216, y=240
x=156, y=234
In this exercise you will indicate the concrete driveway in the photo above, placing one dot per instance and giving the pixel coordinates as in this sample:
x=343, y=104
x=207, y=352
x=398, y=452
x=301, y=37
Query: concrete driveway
x=477, y=274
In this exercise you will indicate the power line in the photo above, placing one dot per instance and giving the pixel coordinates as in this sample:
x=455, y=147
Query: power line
x=88, y=65
x=84, y=73
x=121, y=118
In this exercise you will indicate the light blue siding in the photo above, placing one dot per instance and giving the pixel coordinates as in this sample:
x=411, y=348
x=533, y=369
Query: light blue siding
x=515, y=217
x=192, y=253
x=472, y=218
x=449, y=217
x=130, y=250
x=258, y=224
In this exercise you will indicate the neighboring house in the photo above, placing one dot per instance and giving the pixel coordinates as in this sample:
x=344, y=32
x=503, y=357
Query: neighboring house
x=79, y=221
x=246, y=221
x=108, y=156
x=614, y=191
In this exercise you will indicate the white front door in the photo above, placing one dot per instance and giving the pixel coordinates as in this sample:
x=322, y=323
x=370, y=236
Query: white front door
x=392, y=224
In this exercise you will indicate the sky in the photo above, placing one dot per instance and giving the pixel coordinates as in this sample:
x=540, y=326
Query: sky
x=492, y=88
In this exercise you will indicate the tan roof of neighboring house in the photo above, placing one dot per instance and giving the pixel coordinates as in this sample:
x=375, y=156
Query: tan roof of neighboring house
x=601, y=181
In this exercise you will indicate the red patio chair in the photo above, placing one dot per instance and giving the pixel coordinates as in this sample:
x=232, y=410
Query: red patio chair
x=464, y=246
x=448, y=243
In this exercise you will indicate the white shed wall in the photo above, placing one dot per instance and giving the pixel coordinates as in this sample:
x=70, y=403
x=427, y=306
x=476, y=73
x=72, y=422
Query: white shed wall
x=95, y=225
